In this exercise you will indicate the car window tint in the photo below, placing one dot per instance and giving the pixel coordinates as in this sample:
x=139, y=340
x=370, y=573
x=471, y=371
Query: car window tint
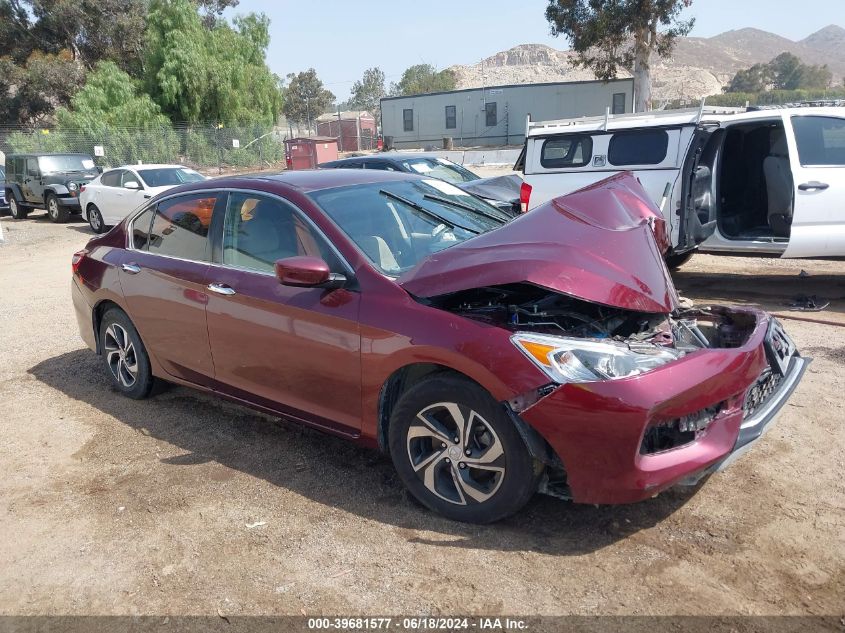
x=567, y=151
x=111, y=178
x=380, y=165
x=180, y=227
x=258, y=231
x=642, y=147
x=141, y=229
x=128, y=176
x=820, y=139
x=169, y=176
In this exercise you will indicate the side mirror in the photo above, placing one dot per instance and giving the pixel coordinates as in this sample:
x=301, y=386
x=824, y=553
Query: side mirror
x=131, y=184
x=99, y=169
x=307, y=272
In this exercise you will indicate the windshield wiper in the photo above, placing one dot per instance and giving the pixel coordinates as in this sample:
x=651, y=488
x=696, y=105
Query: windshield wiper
x=427, y=212
x=465, y=207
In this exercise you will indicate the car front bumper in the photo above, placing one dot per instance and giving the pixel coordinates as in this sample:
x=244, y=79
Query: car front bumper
x=597, y=429
x=70, y=201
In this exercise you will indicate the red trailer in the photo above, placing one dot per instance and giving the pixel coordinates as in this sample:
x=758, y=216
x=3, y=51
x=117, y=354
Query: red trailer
x=307, y=153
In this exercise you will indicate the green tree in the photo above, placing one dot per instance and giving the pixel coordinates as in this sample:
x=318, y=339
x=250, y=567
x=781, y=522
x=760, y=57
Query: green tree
x=754, y=79
x=306, y=98
x=368, y=91
x=607, y=35
x=423, y=78
x=30, y=92
x=219, y=75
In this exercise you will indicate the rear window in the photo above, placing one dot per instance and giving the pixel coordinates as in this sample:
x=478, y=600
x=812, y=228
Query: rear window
x=821, y=140
x=180, y=227
x=141, y=229
x=643, y=147
x=566, y=151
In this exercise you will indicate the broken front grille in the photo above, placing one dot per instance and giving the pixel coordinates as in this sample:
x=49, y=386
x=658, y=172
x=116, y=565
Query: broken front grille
x=760, y=393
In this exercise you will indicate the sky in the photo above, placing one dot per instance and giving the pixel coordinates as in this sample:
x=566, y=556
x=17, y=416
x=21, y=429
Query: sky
x=341, y=39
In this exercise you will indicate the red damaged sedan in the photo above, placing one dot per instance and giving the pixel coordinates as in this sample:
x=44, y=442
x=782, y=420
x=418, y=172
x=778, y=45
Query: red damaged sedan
x=490, y=357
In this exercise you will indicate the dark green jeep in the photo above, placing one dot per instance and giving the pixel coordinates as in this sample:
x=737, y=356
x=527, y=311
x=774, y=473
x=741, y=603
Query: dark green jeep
x=48, y=181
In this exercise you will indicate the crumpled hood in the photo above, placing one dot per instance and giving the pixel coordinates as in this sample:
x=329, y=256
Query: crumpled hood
x=597, y=244
x=504, y=188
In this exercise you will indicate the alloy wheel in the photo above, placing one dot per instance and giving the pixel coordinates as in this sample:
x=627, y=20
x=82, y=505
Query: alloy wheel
x=95, y=219
x=120, y=355
x=53, y=208
x=456, y=453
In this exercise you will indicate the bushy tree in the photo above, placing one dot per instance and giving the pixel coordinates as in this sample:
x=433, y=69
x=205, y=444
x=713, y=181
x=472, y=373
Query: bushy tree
x=422, y=79
x=754, y=79
x=199, y=75
x=305, y=97
x=607, y=35
x=31, y=91
x=784, y=72
x=368, y=91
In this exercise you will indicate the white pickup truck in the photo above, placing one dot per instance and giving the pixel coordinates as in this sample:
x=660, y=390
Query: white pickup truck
x=765, y=181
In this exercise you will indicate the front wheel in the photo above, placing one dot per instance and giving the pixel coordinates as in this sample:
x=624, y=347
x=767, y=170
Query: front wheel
x=55, y=210
x=458, y=453
x=125, y=355
x=16, y=211
x=95, y=219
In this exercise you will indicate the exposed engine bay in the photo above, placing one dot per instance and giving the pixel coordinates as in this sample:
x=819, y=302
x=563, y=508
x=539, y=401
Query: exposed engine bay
x=529, y=308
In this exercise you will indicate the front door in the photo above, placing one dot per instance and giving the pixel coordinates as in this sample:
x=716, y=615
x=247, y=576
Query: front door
x=164, y=283
x=817, y=158
x=293, y=350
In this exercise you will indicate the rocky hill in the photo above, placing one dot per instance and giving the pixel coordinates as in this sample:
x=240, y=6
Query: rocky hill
x=698, y=67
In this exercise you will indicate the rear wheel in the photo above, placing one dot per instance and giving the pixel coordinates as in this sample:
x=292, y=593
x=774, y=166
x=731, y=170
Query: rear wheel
x=676, y=261
x=55, y=210
x=125, y=356
x=95, y=219
x=458, y=453
x=15, y=209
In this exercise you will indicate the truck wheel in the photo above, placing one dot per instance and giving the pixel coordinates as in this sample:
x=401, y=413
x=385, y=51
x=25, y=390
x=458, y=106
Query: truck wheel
x=56, y=211
x=17, y=212
x=676, y=261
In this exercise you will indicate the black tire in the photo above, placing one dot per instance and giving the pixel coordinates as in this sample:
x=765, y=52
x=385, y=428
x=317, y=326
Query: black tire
x=135, y=384
x=419, y=455
x=677, y=260
x=95, y=219
x=55, y=210
x=16, y=210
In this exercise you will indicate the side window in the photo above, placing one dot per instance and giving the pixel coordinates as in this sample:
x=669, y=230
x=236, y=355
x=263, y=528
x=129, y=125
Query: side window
x=18, y=167
x=258, y=231
x=408, y=120
x=180, y=227
x=141, y=229
x=31, y=166
x=566, y=151
x=451, y=117
x=111, y=178
x=490, y=111
x=618, y=103
x=128, y=176
x=642, y=147
x=820, y=139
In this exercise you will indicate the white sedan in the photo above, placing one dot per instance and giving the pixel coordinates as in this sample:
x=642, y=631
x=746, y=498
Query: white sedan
x=115, y=193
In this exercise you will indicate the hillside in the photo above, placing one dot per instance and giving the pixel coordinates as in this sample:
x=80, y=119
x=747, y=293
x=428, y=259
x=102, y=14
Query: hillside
x=698, y=67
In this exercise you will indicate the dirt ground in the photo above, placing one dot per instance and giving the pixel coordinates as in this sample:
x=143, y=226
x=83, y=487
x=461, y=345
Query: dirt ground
x=185, y=505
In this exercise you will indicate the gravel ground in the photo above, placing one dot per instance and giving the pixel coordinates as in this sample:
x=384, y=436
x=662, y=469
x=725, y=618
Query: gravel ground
x=185, y=505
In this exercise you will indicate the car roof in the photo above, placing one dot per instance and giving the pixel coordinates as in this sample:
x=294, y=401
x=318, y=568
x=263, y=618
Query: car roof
x=389, y=156
x=150, y=166
x=307, y=180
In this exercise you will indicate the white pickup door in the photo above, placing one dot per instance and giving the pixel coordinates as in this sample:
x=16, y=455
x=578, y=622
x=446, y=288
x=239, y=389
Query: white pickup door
x=817, y=156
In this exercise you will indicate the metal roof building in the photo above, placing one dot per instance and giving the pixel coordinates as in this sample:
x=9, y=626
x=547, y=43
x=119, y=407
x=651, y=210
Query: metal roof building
x=496, y=115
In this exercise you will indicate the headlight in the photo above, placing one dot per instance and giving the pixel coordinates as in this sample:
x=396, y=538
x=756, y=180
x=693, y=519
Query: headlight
x=72, y=186
x=576, y=360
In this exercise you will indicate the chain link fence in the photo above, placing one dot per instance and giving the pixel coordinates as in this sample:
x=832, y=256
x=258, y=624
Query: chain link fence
x=205, y=147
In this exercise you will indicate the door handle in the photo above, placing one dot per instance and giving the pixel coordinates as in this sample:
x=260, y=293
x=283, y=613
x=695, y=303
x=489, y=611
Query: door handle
x=132, y=269
x=813, y=184
x=147, y=196
x=221, y=289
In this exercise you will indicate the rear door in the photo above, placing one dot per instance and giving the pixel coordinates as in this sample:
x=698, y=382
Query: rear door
x=817, y=159
x=163, y=277
x=292, y=350
x=31, y=186
x=105, y=195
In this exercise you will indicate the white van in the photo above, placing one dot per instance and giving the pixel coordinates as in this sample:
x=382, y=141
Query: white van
x=766, y=181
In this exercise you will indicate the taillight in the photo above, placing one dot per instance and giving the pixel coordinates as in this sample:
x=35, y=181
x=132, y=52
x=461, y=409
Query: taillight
x=524, y=196
x=76, y=260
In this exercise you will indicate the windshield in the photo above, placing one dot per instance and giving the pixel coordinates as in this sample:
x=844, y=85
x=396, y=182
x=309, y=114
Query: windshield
x=399, y=223
x=439, y=168
x=71, y=162
x=169, y=176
